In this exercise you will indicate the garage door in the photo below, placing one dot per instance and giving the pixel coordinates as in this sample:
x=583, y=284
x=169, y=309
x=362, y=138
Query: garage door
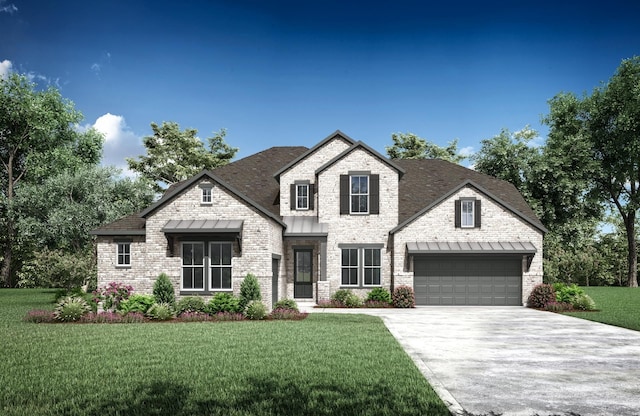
x=472, y=280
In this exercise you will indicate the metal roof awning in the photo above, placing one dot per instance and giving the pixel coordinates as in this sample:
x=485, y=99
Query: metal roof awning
x=305, y=227
x=202, y=226
x=444, y=247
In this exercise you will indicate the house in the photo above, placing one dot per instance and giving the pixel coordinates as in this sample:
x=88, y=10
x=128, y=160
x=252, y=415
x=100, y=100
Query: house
x=307, y=222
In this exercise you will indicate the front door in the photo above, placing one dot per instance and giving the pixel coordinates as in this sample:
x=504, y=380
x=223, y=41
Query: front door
x=302, y=279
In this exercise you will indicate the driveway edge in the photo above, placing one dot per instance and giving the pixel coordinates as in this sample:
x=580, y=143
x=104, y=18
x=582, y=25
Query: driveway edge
x=444, y=394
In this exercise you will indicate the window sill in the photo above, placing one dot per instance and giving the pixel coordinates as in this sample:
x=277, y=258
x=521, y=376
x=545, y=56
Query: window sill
x=200, y=292
x=123, y=266
x=359, y=287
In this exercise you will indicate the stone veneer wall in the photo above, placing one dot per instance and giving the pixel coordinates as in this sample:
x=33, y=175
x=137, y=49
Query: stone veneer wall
x=497, y=224
x=133, y=275
x=357, y=229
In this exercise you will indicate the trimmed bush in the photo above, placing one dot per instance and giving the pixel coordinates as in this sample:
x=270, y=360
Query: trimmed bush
x=249, y=290
x=163, y=290
x=583, y=303
x=256, y=310
x=403, y=297
x=136, y=303
x=286, y=304
x=540, y=296
x=341, y=295
x=223, y=302
x=190, y=304
x=282, y=313
x=71, y=309
x=160, y=312
x=353, y=301
x=379, y=294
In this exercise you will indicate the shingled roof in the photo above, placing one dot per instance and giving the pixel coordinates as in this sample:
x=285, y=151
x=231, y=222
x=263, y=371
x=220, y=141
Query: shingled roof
x=424, y=183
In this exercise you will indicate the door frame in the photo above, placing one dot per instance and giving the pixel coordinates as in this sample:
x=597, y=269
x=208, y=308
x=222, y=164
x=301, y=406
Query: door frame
x=302, y=290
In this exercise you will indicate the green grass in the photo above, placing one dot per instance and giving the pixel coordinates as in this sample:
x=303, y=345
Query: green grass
x=327, y=364
x=619, y=306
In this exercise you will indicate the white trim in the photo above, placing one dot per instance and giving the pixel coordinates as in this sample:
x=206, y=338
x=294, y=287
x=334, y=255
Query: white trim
x=300, y=186
x=360, y=267
x=211, y=266
x=463, y=215
x=193, y=266
x=350, y=267
x=373, y=267
x=207, y=196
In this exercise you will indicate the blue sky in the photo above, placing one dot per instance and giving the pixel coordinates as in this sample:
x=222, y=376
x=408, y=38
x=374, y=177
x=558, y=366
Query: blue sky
x=281, y=73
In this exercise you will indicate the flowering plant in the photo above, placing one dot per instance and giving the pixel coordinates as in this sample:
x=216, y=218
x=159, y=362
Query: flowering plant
x=112, y=295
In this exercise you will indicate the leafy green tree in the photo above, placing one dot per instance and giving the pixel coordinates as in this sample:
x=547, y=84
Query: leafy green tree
x=174, y=155
x=410, y=146
x=32, y=123
x=607, y=123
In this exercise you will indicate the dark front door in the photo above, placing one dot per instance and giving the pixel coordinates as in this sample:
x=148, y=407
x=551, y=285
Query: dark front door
x=302, y=279
x=275, y=268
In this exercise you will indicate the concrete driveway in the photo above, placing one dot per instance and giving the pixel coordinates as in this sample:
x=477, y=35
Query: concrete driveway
x=519, y=361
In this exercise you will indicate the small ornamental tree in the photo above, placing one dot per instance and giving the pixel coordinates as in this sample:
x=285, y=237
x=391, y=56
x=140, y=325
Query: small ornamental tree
x=163, y=290
x=249, y=290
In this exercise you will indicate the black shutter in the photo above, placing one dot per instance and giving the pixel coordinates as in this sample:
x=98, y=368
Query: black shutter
x=458, y=212
x=344, y=194
x=478, y=214
x=293, y=197
x=374, y=194
x=311, y=195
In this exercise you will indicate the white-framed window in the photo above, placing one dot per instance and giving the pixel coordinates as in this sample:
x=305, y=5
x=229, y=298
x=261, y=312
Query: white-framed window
x=467, y=213
x=349, y=267
x=359, y=194
x=220, y=254
x=206, y=196
x=361, y=267
x=193, y=266
x=302, y=196
x=123, y=255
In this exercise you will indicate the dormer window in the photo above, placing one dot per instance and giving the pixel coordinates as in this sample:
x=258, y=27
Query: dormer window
x=206, y=196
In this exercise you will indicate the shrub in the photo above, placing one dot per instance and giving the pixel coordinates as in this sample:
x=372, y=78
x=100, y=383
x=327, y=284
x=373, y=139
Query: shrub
x=330, y=304
x=286, y=304
x=379, y=294
x=403, y=297
x=160, y=312
x=567, y=293
x=56, y=268
x=136, y=303
x=229, y=316
x=195, y=317
x=540, y=296
x=112, y=318
x=584, y=303
x=40, y=316
x=283, y=313
x=163, y=290
x=223, y=302
x=190, y=304
x=377, y=304
x=112, y=294
x=249, y=290
x=256, y=310
x=554, y=306
x=353, y=301
x=341, y=295
x=71, y=309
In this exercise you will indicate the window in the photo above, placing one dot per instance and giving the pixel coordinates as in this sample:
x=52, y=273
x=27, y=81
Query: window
x=349, y=267
x=206, y=196
x=467, y=214
x=193, y=266
x=220, y=255
x=302, y=197
x=361, y=267
x=124, y=254
x=359, y=194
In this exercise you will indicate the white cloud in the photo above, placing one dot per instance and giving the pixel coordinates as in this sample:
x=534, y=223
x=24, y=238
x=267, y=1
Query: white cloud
x=5, y=68
x=120, y=141
x=10, y=8
x=104, y=60
x=467, y=151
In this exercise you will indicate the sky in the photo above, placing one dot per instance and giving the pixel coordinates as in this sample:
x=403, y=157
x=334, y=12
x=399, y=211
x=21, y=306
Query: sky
x=289, y=73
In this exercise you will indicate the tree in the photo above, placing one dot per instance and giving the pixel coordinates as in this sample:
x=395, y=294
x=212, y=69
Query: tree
x=174, y=155
x=607, y=124
x=32, y=123
x=410, y=146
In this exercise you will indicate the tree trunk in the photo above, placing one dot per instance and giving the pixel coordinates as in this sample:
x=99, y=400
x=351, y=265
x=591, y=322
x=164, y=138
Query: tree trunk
x=632, y=256
x=5, y=273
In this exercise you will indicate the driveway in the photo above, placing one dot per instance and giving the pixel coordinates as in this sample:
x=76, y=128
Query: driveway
x=519, y=361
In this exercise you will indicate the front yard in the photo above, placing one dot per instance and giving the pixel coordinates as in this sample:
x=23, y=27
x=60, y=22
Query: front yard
x=619, y=306
x=327, y=364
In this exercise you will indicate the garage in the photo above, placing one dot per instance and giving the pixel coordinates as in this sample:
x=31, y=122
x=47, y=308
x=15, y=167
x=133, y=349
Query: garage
x=468, y=280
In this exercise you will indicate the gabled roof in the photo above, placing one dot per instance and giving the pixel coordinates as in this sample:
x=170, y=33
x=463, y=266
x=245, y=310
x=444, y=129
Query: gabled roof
x=130, y=225
x=430, y=181
x=335, y=134
x=361, y=145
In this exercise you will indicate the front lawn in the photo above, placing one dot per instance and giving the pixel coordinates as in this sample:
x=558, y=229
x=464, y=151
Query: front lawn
x=619, y=306
x=327, y=364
